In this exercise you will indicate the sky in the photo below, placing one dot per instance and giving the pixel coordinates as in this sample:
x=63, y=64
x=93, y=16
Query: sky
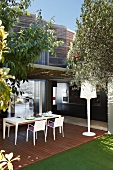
x=64, y=12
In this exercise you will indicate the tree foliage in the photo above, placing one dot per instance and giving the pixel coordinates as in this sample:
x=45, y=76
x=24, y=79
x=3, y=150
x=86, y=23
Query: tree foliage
x=26, y=45
x=4, y=87
x=10, y=10
x=91, y=54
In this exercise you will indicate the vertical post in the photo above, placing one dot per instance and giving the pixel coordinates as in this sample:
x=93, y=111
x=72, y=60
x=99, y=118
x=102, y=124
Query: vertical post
x=110, y=107
x=88, y=133
x=40, y=97
x=54, y=95
x=88, y=114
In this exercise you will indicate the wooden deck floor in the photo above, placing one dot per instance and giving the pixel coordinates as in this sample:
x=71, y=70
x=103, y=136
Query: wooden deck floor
x=30, y=154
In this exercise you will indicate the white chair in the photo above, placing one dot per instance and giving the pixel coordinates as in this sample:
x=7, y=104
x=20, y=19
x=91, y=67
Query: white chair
x=39, y=125
x=58, y=122
x=8, y=125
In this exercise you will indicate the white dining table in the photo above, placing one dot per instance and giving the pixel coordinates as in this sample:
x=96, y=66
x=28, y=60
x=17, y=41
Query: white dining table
x=19, y=121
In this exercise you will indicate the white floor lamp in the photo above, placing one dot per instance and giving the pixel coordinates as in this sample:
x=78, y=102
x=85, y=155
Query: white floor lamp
x=88, y=91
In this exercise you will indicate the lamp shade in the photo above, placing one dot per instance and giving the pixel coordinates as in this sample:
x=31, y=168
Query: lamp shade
x=88, y=91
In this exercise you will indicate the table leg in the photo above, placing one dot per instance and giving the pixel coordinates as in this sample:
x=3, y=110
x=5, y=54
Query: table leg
x=4, y=122
x=16, y=130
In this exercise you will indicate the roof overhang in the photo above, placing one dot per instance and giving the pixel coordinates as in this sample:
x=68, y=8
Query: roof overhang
x=49, y=73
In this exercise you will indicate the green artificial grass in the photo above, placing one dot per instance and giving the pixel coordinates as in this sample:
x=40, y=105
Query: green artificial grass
x=94, y=155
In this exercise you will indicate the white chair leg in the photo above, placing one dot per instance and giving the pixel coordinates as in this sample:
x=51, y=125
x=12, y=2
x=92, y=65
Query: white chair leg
x=46, y=129
x=60, y=129
x=54, y=133
x=8, y=130
x=45, y=134
x=27, y=136
x=62, y=132
x=34, y=137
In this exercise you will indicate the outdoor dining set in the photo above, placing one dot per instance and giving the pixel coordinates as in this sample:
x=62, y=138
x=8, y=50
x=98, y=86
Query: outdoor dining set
x=40, y=122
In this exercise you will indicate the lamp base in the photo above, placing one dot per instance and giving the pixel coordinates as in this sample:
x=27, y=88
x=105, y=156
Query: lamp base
x=88, y=133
